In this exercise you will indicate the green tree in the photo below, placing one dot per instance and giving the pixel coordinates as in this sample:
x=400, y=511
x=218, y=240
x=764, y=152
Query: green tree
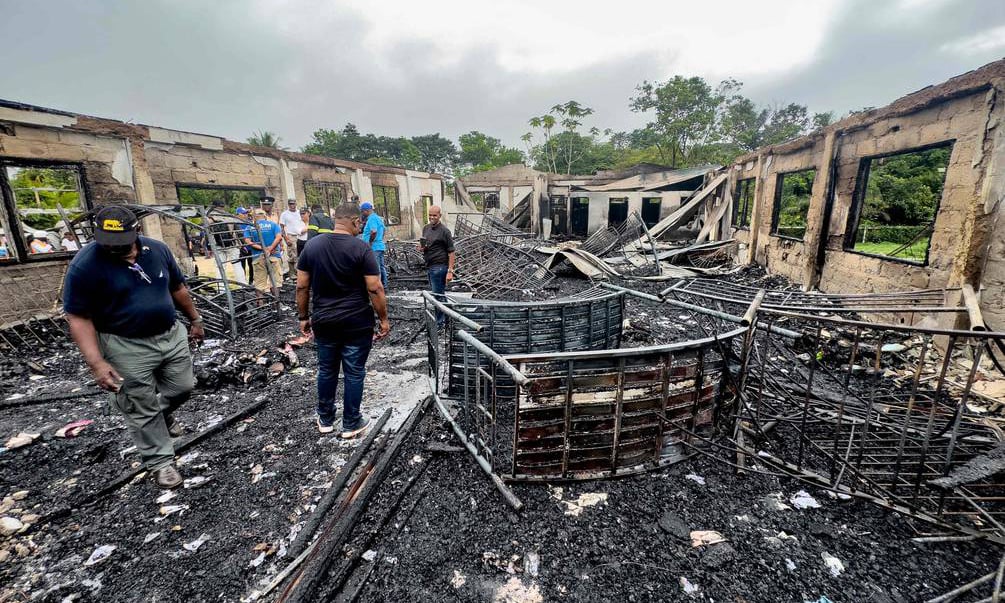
x=430, y=152
x=686, y=113
x=264, y=138
x=480, y=152
x=436, y=153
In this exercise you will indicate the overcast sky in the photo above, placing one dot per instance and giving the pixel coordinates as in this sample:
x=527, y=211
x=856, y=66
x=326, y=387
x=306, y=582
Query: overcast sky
x=230, y=67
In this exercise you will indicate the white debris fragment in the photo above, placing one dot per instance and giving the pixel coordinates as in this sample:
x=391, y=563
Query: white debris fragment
x=588, y=499
x=803, y=500
x=532, y=563
x=195, y=482
x=151, y=537
x=187, y=458
x=703, y=537
x=10, y=525
x=163, y=498
x=743, y=517
x=16, y=396
x=195, y=544
x=774, y=502
x=370, y=555
x=169, y=509
x=415, y=460
x=100, y=554
x=689, y=587
x=391, y=560
x=22, y=439
x=257, y=560
x=833, y=564
x=515, y=590
x=694, y=477
x=838, y=495
x=458, y=580
x=790, y=564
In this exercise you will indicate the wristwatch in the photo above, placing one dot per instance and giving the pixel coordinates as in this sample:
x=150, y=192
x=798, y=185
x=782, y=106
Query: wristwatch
x=196, y=321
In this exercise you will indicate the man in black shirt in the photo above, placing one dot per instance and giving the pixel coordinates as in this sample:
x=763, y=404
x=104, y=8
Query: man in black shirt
x=437, y=247
x=120, y=297
x=337, y=274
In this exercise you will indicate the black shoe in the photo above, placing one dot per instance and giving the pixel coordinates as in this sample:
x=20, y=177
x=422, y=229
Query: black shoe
x=359, y=431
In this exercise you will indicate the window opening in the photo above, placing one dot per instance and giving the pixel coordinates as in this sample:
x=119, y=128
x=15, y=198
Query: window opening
x=743, y=204
x=42, y=201
x=385, y=203
x=896, y=203
x=792, y=204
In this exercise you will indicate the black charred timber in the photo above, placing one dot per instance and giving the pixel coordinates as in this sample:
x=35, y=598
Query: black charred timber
x=33, y=401
x=326, y=502
x=128, y=476
x=340, y=577
x=337, y=531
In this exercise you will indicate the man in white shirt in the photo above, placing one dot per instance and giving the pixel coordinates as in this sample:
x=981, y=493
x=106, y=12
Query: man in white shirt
x=68, y=242
x=292, y=225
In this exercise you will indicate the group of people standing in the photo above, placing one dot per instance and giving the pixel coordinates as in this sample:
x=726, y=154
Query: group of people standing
x=122, y=294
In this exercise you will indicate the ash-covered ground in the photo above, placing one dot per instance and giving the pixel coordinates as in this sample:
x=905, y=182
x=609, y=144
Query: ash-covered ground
x=450, y=537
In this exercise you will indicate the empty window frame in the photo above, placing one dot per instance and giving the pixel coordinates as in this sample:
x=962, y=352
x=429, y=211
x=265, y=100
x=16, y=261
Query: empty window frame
x=617, y=211
x=38, y=201
x=897, y=197
x=651, y=210
x=385, y=203
x=792, y=204
x=328, y=195
x=492, y=201
x=743, y=202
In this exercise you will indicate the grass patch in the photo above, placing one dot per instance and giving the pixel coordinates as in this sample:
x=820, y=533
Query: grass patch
x=914, y=253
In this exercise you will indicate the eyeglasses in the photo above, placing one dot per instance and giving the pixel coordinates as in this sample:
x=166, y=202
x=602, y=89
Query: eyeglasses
x=139, y=272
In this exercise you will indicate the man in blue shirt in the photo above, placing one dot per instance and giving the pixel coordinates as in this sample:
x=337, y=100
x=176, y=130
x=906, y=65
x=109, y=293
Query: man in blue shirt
x=121, y=296
x=373, y=234
x=265, y=251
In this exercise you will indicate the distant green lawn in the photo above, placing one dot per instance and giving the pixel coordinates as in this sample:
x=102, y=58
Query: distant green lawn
x=914, y=253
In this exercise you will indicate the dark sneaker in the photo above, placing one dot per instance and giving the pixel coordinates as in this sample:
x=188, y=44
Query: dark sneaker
x=175, y=428
x=324, y=428
x=167, y=478
x=359, y=431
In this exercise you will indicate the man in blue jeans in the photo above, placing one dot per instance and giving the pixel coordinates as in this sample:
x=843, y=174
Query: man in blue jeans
x=437, y=247
x=338, y=292
x=373, y=233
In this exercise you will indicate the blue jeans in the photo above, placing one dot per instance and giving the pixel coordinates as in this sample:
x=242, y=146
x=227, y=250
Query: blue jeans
x=351, y=356
x=438, y=284
x=383, y=268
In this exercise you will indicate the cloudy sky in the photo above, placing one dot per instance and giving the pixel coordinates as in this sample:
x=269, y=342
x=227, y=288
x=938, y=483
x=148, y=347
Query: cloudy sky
x=397, y=67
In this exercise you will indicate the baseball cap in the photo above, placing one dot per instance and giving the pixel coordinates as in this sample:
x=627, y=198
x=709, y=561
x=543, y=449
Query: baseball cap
x=115, y=226
x=366, y=205
x=241, y=211
x=260, y=213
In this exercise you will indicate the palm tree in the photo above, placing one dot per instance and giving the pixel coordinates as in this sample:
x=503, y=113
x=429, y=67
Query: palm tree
x=264, y=138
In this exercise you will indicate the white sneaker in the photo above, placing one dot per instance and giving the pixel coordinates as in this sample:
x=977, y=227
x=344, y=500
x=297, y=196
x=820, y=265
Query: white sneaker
x=324, y=428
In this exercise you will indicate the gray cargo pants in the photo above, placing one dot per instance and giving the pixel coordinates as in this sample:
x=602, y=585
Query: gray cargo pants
x=149, y=366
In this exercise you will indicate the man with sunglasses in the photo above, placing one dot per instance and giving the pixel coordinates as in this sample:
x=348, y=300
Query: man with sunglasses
x=121, y=296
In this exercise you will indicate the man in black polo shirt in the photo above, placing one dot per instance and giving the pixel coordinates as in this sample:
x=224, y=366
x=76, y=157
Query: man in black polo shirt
x=437, y=247
x=120, y=297
x=337, y=273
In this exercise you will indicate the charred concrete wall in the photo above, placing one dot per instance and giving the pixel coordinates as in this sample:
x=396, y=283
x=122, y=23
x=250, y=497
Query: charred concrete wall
x=127, y=163
x=967, y=239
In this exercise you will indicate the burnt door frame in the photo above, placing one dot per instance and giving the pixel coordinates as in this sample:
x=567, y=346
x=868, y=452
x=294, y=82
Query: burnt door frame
x=649, y=206
x=579, y=218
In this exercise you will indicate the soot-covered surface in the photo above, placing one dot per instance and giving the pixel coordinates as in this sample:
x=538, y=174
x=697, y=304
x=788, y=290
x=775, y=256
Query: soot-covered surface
x=454, y=539
x=259, y=478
